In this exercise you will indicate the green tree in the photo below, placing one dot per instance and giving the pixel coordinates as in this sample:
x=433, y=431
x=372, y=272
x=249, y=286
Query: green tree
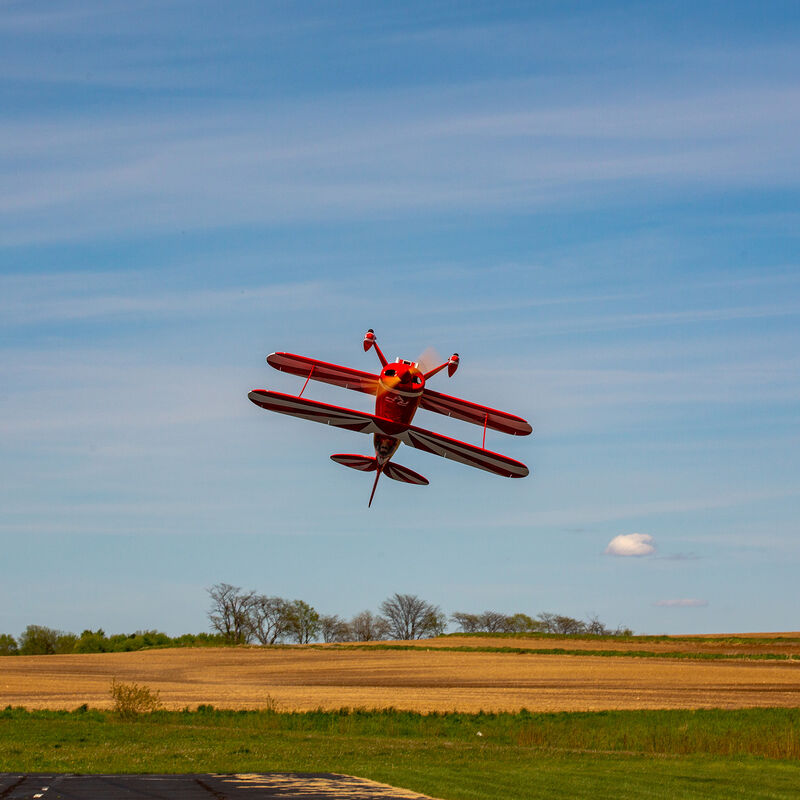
x=65, y=642
x=92, y=642
x=303, y=622
x=37, y=640
x=8, y=645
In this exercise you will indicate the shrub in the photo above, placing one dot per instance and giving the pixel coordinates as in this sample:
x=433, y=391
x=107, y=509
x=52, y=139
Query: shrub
x=130, y=699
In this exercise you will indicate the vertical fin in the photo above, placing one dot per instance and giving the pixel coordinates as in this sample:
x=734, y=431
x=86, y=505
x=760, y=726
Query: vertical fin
x=374, y=486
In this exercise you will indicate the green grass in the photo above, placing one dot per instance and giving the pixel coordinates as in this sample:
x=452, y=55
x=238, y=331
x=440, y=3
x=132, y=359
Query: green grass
x=694, y=640
x=624, y=754
x=565, y=651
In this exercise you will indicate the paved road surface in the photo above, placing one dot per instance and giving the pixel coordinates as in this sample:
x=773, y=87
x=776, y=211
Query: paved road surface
x=292, y=786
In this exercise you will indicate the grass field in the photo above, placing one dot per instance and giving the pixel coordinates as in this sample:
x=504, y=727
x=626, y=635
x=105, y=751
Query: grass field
x=624, y=754
x=764, y=645
x=432, y=678
x=746, y=744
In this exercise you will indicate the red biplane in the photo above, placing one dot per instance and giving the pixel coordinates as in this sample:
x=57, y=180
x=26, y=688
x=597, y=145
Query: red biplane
x=399, y=391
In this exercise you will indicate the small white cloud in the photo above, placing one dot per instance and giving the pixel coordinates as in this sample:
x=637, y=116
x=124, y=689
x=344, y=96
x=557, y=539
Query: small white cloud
x=682, y=602
x=631, y=544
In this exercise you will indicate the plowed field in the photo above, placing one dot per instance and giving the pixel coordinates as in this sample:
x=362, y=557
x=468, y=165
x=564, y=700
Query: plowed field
x=298, y=678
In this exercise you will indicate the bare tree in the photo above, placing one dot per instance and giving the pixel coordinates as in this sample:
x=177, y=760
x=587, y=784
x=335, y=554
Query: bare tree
x=268, y=618
x=522, y=623
x=230, y=612
x=433, y=623
x=492, y=621
x=303, y=622
x=469, y=623
x=334, y=629
x=495, y=622
x=559, y=623
x=547, y=621
x=368, y=627
x=565, y=624
x=595, y=626
x=410, y=617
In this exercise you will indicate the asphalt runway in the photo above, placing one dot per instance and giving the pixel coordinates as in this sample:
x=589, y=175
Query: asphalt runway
x=296, y=786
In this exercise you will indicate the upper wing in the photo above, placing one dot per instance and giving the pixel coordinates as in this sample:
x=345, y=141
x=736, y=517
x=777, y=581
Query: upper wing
x=472, y=412
x=325, y=372
x=461, y=451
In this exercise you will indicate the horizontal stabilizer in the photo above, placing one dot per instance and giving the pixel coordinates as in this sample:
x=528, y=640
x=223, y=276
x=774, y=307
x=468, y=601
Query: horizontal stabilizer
x=369, y=464
x=399, y=473
x=362, y=463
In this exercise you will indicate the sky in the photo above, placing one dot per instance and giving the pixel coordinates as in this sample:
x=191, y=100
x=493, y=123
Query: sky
x=596, y=204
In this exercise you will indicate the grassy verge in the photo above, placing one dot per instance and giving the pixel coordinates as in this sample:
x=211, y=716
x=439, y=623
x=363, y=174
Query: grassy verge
x=641, y=638
x=713, y=753
x=565, y=651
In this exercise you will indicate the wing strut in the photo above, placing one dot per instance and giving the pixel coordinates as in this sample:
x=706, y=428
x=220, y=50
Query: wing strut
x=309, y=378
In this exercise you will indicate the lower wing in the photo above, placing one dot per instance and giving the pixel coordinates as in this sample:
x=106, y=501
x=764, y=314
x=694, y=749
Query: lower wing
x=415, y=437
x=461, y=451
x=314, y=411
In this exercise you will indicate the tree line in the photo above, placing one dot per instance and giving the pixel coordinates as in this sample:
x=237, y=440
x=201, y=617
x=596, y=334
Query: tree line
x=38, y=640
x=494, y=622
x=247, y=617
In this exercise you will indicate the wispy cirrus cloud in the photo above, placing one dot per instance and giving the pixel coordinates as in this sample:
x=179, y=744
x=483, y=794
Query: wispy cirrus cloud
x=105, y=175
x=682, y=602
x=54, y=297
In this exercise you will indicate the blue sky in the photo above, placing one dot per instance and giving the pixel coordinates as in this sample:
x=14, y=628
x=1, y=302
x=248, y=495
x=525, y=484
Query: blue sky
x=596, y=204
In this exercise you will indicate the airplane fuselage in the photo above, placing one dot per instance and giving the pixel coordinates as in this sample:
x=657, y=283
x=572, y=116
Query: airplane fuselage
x=400, y=386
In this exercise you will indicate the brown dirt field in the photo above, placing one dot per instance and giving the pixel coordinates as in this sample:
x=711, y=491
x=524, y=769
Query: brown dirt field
x=423, y=680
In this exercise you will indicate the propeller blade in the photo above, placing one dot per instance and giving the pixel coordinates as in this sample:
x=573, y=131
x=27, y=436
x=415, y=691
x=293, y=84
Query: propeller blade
x=429, y=359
